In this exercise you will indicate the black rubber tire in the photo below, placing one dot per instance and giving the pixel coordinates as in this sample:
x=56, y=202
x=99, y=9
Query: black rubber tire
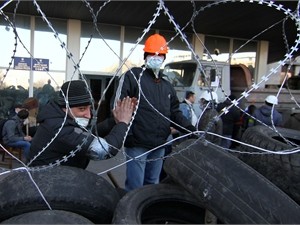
x=282, y=170
x=230, y=189
x=121, y=192
x=48, y=217
x=159, y=204
x=167, y=180
x=65, y=188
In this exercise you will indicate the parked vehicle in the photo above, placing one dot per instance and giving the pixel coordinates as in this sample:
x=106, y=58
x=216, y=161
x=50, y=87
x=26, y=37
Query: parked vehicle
x=224, y=79
x=189, y=76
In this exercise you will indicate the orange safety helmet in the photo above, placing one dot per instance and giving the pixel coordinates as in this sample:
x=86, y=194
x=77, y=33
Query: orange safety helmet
x=156, y=43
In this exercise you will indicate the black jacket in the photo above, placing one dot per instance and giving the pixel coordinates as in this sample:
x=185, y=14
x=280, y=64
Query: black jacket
x=149, y=128
x=229, y=119
x=263, y=114
x=70, y=138
x=12, y=130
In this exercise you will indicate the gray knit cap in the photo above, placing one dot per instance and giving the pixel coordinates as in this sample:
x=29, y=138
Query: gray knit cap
x=76, y=93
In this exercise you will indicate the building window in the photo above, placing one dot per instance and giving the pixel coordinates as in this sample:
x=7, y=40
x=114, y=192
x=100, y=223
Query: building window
x=10, y=47
x=241, y=52
x=101, y=54
x=216, y=48
x=14, y=83
x=178, y=49
x=244, y=52
x=47, y=46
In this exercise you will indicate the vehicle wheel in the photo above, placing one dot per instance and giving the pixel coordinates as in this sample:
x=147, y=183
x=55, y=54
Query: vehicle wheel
x=48, y=217
x=65, y=188
x=282, y=170
x=230, y=189
x=159, y=204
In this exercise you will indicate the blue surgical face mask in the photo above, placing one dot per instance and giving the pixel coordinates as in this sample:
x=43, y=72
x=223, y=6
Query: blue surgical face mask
x=154, y=61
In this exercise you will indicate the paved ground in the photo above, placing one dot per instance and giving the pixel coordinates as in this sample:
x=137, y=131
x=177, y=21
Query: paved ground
x=118, y=172
x=101, y=167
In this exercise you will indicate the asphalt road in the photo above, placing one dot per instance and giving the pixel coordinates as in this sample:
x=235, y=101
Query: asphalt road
x=102, y=167
x=112, y=165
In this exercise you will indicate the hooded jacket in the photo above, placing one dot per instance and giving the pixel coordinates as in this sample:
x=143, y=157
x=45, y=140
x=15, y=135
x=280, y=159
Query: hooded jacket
x=12, y=130
x=264, y=114
x=150, y=129
x=70, y=139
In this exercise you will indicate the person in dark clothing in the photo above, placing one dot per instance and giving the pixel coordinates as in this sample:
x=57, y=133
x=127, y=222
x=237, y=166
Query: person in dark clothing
x=247, y=120
x=62, y=136
x=17, y=107
x=293, y=121
x=46, y=94
x=230, y=119
x=47, y=88
x=263, y=113
x=151, y=126
x=13, y=135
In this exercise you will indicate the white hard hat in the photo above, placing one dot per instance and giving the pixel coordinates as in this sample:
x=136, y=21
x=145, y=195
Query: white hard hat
x=272, y=99
x=209, y=96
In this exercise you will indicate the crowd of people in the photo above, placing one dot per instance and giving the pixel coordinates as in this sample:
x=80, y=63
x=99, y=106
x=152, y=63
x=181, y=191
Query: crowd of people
x=146, y=111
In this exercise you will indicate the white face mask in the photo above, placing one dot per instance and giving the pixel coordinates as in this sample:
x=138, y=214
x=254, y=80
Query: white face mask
x=154, y=61
x=83, y=122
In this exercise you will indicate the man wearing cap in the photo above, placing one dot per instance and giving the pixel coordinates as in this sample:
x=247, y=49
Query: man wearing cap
x=62, y=137
x=263, y=113
x=158, y=104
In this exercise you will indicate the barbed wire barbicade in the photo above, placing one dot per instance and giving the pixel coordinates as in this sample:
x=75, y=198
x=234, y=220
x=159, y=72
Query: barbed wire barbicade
x=245, y=94
x=162, y=9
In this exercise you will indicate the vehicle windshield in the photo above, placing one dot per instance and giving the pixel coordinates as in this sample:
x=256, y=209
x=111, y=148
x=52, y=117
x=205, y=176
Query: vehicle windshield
x=180, y=74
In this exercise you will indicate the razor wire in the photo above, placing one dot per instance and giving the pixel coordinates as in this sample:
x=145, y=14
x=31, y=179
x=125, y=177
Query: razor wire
x=162, y=10
x=278, y=7
x=179, y=32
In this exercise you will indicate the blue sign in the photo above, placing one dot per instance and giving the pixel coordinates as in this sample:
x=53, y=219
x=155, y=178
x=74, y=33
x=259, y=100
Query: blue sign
x=37, y=64
x=21, y=63
x=40, y=64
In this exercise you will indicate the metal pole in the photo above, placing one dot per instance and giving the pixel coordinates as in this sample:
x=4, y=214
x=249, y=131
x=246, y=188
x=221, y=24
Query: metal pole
x=32, y=28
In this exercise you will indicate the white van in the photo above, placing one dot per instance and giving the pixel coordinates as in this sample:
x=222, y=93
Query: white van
x=190, y=76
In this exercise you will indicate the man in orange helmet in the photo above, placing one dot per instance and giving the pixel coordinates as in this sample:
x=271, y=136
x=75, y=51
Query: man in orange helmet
x=158, y=104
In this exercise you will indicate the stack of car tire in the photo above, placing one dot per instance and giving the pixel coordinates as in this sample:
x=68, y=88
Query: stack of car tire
x=86, y=195
x=205, y=184
x=282, y=169
x=204, y=178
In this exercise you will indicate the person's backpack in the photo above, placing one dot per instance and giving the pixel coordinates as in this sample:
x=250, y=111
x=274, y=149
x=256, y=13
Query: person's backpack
x=2, y=122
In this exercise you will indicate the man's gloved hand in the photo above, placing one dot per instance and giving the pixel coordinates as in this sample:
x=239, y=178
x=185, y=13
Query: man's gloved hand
x=99, y=150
